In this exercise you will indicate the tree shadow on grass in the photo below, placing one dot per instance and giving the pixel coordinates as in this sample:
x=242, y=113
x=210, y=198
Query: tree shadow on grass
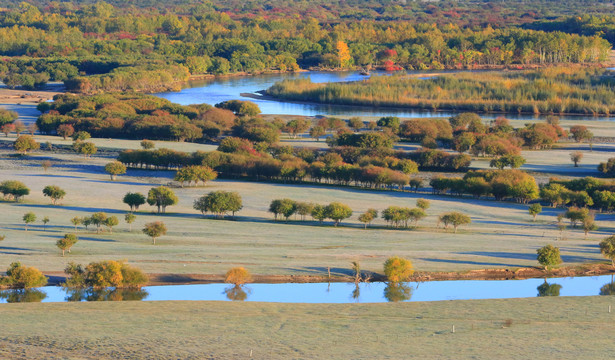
x=53, y=176
x=85, y=238
x=467, y=262
x=74, y=208
x=133, y=183
x=321, y=270
x=529, y=257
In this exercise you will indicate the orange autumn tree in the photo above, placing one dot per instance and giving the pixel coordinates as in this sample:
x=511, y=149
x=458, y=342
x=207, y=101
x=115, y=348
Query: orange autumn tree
x=343, y=54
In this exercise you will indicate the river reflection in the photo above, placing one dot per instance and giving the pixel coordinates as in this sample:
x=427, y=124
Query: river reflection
x=546, y=289
x=325, y=293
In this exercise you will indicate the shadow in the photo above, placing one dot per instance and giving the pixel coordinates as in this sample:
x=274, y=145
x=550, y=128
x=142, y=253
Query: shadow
x=14, y=248
x=53, y=176
x=84, y=238
x=73, y=208
x=120, y=182
x=175, y=278
x=395, y=292
x=22, y=295
x=334, y=271
x=508, y=255
x=468, y=262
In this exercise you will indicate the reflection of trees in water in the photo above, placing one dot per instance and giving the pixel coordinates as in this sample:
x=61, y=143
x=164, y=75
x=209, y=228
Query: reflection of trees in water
x=237, y=293
x=106, y=294
x=608, y=289
x=395, y=292
x=546, y=289
x=22, y=295
x=356, y=293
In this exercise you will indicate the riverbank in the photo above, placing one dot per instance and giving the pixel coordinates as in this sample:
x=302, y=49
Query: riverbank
x=558, y=327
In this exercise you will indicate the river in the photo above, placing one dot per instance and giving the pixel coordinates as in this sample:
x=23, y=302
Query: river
x=217, y=90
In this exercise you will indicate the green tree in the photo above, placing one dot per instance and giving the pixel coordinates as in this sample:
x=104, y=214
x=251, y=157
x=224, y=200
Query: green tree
x=155, y=230
x=134, y=200
x=284, y=207
x=607, y=248
x=114, y=169
x=86, y=148
x=548, y=256
x=576, y=215
x=398, y=269
x=219, y=203
x=161, y=197
x=55, y=193
x=455, y=218
x=15, y=190
x=319, y=212
x=355, y=123
x=513, y=161
x=337, y=212
x=423, y=204
x=317, y=132
x=98, y=219
x=25, y=143
x=110, y=222
x=130, y=218
x=296, y=126
x=196, y=174
x=535, y=209
x=147, y=144
x=45, y=221
x=81, y=136
x=67, y=242
x=76, y=221
x=588, y=223
x=29, y=218
x=368, y=216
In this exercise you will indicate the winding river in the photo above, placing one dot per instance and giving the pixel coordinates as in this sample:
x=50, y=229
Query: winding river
x=216, y=90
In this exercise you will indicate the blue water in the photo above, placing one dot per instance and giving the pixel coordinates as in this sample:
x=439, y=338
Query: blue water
x=335, y=292
x=217, y=90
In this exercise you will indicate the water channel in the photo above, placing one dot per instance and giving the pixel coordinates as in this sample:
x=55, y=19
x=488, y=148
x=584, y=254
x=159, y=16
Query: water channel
x=320, y=293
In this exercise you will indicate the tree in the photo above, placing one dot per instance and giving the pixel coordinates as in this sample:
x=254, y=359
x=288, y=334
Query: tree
x=196, y=174
x=317, y=132
x=284, y=207
x=155, y=230
x=237, y=276
x=304, y=209
x=589, y=224
x=29, y=218
x=576, y=157
x=580, y=133
x=76, y=221
x=219, y=203
x=161, y=197
x=455, y=218
x=147, y=144
x=319, y=213
x=548, y=256
x=398, y=269
x=67, y=242
x=81, y=136
x=607, y=248
x=576, y=215
x=514, y=161
x=46, y=164
x=23, y=277
x=13, y=189
x=45, y=221
x=296, y=126
x=423, y=204
x=86, y=148
x=134, y=200
x=54, y=192
x=337, y=212
x=65, y=130
x=114, y=169
x=535, y=209
x=368, y=216
x=110, y=222
x=98, y=219
x=25, y=143
x=130, y=218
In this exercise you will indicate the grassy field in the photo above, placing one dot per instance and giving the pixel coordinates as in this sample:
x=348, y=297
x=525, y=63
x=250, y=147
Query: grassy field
x=502, y=234
x=558, y=328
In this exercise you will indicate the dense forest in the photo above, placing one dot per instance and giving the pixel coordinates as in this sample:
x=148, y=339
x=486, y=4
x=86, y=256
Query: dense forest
x=152, y=45
x=543, y=91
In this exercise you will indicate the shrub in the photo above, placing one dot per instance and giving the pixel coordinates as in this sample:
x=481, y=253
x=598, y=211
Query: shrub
x=104, y=274
x=22, y=277
x=237, y=276
x=25, y=143
x=398, y=269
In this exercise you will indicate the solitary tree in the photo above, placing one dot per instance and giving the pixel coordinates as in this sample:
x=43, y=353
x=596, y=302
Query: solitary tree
x=576, y=157
x=237, y=276
x=548, y=256
x=337, y=212
x=454, y=218
x=607, y=248
x=67, y=242
x=130, y=218
x=423, y=204
x=398, y=269
x=317, y=132
x=45, y=221
x=29, y=218
x=535, y=209
x=588, y=223
x=134, y=200
x=161, y=197
x=65, y=130
x=54, y=192
x=147, y=144
x=25, y=143
x=356, y=123
x=86, y=148
x=155, y=230
x=46, y=164
x=114, y=169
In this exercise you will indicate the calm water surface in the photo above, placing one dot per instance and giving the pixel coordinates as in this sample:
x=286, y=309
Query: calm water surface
x=213, y=91
x=332, y=293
